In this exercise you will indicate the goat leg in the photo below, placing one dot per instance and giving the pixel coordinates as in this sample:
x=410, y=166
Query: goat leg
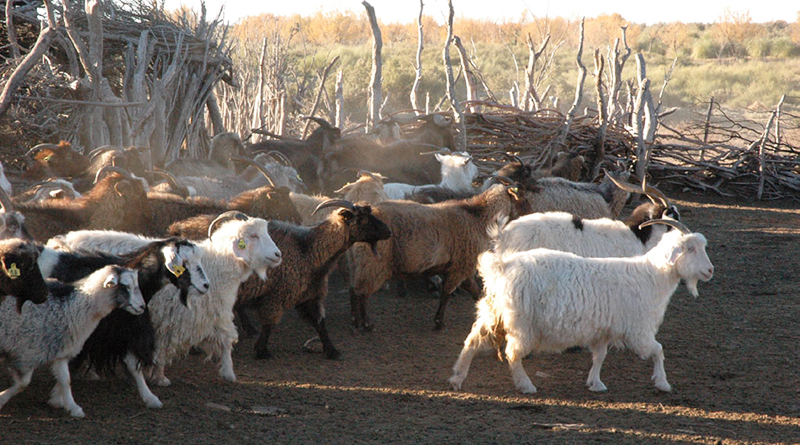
x=249, y=329
x=311, y=311
x=262, y=353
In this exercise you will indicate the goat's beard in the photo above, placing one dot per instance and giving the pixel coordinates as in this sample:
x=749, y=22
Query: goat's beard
x=691, y=286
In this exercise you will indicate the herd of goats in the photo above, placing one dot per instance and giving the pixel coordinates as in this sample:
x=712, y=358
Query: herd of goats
x=108, y=260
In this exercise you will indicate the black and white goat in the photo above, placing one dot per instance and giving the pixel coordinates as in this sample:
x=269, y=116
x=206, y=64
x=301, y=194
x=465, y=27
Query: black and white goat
x=122, y=337
x=54, y=332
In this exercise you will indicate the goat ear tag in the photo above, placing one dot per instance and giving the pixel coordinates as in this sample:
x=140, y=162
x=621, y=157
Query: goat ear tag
x=47, y=158
x=13, y=272
x=178, y=270
x=241, y=245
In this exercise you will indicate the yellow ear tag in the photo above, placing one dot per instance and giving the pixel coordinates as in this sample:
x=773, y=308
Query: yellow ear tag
x=178, y=270
x=242, y=244
x=13, y=272
x=47, y=158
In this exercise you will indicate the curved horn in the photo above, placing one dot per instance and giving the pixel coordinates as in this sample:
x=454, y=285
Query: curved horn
x=100, y=150
x=112, y=168
x=172, y=180
x=281, y=158
x=36, y=148
x=5, y=201
x=375, y=176
x=652, y=191
x=320, y=121
x=669, y=222
x=258, y=167
x=335, y=203
x=227, y=216
x=441, y=151
x=505, y=180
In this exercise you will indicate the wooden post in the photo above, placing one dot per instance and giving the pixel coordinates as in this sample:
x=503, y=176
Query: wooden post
x=642, y=119
x=469, y=76
x=375, y=95
x=461, y=136
x=532, y=101
x=418, y=67
x=257, y=118
x=616, y=64
x=561, y=140
x=46, y=36
x=321, y=88
x=600, y=151
x=12, y=33
x=339, y=121
x=778, y=121
x=762, y=168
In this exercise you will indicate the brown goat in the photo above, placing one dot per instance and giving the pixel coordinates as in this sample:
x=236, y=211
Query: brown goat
x=58, y=160
x=308, y=257
x=437, y=239
x=117, y=202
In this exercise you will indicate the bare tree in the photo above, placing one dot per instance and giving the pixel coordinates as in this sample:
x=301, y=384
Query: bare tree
x=375, y=94
x=461, y=136
x=418, y=66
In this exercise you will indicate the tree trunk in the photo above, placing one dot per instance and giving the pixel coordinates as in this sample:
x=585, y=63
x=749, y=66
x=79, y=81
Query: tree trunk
x=562, y=139
x=600, y=151
x=469, y=76
x=375, y=95
x=418, y=67
x=321, y=88
x=43, y=42
x=460, y=140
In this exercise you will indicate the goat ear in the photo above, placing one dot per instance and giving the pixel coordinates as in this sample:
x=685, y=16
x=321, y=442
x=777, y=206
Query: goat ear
x=346, y=215
x=122, y=187
x=438, y=157
x=241, y=249
x=111, y=281
x=172, y=261
x=674, y=255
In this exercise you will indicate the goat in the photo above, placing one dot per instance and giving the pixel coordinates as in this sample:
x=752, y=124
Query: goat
x=308, y=257
x=547, y=300
x=55, y=160
x=304, y=154
x=53, y=188
x=437, y=239
x=601, y=237
x=122, y=337
x=118, y=201
x=399, y=160
x=237, y=246
x=21, y=275
x=457, y=172
x=223, y=146
x=54, y=332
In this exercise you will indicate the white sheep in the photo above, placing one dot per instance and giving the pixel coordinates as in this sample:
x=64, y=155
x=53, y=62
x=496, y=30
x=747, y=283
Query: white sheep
x=234, y=250
x=458, y=172
x=546, y=300
x=55, y=331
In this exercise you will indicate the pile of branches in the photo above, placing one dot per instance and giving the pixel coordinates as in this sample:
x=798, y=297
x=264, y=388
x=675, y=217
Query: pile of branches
x=157, y=72
x=536, y=137
x=731, y=155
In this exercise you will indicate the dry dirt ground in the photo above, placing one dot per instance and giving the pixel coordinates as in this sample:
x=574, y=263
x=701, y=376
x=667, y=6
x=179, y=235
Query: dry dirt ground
x=732, y=356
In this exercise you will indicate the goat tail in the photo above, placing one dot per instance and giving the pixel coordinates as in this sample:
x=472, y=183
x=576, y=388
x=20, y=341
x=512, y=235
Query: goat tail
x=489, y=321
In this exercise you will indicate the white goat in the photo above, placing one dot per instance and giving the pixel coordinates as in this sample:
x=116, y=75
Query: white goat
x=55, y=331
x=458, y=172
x=602, y=237
x=234, y=250
x=546, y=300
